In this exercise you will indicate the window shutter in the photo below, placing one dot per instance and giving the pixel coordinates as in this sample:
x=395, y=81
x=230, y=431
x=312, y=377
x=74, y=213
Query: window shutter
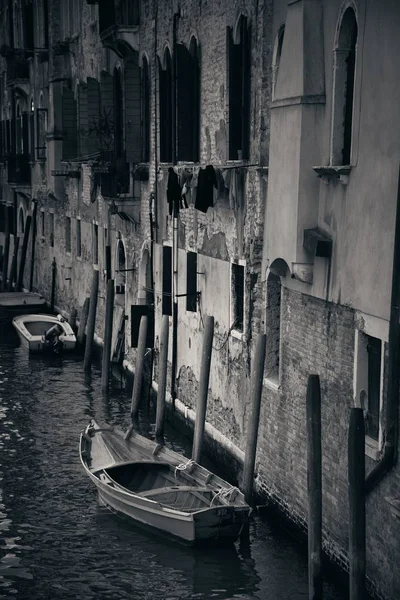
x=185, y=103
x=83, y=119
x=93, y=108
x=32, y=134
x=191, y=281
x=25, y=133
x=137, y=311
x=69, y=117
x=145, y=112
x=234, y=95
x=167, y=281
x=246, y=85
x=132, y=112
x=106, y=128
x=196, y=107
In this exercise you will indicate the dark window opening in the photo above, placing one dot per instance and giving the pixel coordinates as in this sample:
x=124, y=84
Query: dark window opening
x=238, y=296
x=121, y=273
x=118, y=114
x=70, y=124
x=273, y=326
x=95, y=244
x=166, y=109
x=374, y=349
x=46, y=23
x=41, y=131
x=42, y=225
x=167, y=281
x=145, y=111
x=51, y=218
x=67, y=234
x=28, y=24
x=188, y=99
x=191, y=281
x=239, y=91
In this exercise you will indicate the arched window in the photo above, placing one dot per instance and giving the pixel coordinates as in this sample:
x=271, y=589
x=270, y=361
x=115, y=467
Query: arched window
x=145, y=110
x=188, y=102
x=118, y=113
x=343, y=89
x=166, y=108
x=121, y=266
x=276, y=58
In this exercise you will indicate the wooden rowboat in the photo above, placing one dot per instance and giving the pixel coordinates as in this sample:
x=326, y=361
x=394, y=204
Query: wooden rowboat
x=160, y=488
x=40, y=333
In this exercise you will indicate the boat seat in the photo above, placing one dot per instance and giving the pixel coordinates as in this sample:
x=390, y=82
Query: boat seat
x=174, y=488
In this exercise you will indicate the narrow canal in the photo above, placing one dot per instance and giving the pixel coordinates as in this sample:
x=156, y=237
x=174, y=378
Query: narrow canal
x=56, y=542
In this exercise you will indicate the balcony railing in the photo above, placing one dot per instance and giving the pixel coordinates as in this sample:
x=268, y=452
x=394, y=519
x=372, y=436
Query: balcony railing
x=19, y=169
x=120, y=13
x=17, y=67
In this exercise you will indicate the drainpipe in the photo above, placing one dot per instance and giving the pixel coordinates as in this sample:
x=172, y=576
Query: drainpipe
x=175, y=219
x=389, y=456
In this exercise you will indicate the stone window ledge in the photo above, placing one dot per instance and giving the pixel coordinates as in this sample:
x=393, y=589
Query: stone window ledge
x=330, y=173
x=272, y=383
x=372, y=448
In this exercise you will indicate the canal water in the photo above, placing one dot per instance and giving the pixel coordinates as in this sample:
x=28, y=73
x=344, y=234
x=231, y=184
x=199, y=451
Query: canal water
x=56, y=542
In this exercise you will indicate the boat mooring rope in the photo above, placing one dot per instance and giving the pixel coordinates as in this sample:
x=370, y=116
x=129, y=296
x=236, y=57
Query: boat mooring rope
x=184, y=466
x=224, y=493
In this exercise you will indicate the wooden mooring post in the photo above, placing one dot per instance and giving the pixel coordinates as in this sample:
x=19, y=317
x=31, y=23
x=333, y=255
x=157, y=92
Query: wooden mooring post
x=23, y=253
x=201, y=407
x=254, y=416
x=105, y=374
x=72, y=318
x=138, y=379
x=53, y=283
x=82, y=322
x=314, y=485
x=162, y=377
x=14, y=262
x=87, y=361
x=34, y=231
x=356, y=472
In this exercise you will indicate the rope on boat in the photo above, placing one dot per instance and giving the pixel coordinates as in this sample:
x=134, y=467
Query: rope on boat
x=224, y=493
x=184, y=466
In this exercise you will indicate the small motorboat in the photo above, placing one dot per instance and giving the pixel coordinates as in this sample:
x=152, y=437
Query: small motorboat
x=160, y=488
x=41, y=333
x=18, y=303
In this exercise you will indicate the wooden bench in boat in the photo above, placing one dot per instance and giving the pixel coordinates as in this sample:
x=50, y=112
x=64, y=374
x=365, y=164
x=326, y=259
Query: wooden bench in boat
x=174, y=488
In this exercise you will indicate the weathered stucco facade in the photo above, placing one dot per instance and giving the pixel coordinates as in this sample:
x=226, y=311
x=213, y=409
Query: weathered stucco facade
x=294, y=106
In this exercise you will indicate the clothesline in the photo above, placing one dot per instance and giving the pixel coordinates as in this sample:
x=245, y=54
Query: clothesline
x=203, y=166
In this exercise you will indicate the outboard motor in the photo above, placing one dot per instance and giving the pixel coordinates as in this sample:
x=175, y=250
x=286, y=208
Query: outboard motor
x=52, y=338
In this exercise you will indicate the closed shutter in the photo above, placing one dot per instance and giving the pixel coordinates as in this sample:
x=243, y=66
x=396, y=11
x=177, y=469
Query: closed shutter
x=137, y=312
x=132, y=112
x=93, y=109
x=167, y=281
x=69, y=118
x=106, y=127
x=191, y=281
x=83, y=119
x=185, y=103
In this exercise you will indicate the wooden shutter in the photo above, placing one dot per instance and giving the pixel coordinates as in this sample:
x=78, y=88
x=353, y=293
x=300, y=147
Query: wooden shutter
x=137, y=311
x=132, y=112
x=196, y=106
x=191, y=281
x=167, y=281
x=107, y=111
x=83, y=119
x=185, y=103
x=234, y=95
x=69, y=118
x=93, y=108
x=246, y=85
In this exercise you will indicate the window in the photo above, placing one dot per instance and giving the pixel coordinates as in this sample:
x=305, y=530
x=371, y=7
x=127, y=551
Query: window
x=191, y=281
x=369, y=358
x=343, y=89
x=166, y=109
x=121, y=268
x=42, y=225
x=273, y=327
x=28, y=24
x=70, y=124
x=118, y=113
x=167, y=281
x=277, y=57
x=95, y=240
x=41, y=129
x=78, y=238
x=239, y=90
x=145, y=111
x=237, y=296
x=68, y=234
x=51, y=223
x=46, y=23
x=188, y=102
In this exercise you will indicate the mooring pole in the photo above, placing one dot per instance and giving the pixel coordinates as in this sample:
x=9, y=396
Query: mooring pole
x=34, y=230
x=108, y=262
x=23, y=253
x=138, y=379
x=82, y=322
x=91, y=324
x=6, y=251
x=162, y=377
x=53, y=283
x=105, y=375
x=356, y=466
x=254, y=417
x=203, y=389
x=14, y=261
x=314, y=485
x=72, y=318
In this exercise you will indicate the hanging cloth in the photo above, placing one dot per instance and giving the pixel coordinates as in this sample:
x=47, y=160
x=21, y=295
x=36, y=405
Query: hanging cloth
x=174, y=191
x=207, y=181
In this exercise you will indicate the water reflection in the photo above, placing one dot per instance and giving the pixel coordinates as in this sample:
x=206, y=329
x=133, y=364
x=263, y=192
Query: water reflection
x=56, y=542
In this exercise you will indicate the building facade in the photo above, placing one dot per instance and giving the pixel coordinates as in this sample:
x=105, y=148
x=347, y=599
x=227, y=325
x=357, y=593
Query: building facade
x=234, y=159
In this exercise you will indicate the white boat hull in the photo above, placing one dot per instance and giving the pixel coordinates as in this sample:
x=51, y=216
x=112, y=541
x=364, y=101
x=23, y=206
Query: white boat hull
x=31, y=330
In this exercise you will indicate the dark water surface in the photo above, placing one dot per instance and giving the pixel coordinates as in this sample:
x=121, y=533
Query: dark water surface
x=56, y=542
